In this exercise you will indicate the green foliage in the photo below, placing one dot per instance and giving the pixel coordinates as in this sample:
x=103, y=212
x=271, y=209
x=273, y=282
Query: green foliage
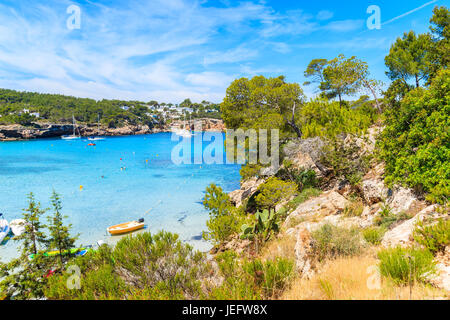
x=386, y=218
x=331, y=241
x=272, y=276
x=342, y=77
x=354, y=209
x=314, y=71
x=143, y=266
x=320, y=117
x=273, y=191
x=305, y=195
x=23, y=277
x=224, y=218
x=345, y=161
x=264, y=225
x=251, y=280
x=374, y=235
x=433, y=237
x=440, y=47
x=301, y=177
x=406, y=265
x=236, y=285
x=59, y=233
x=262, y=103
x=408, y=58
x=415, y=143
x=249, y=171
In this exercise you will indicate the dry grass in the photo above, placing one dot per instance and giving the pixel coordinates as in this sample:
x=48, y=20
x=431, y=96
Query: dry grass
x=348, y=279
x=279, y=247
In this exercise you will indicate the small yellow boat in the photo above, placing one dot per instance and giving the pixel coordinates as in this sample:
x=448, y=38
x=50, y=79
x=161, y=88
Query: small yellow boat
x=126, y=227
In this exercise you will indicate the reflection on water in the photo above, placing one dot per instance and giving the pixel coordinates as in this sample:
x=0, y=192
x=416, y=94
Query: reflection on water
x=122, y=179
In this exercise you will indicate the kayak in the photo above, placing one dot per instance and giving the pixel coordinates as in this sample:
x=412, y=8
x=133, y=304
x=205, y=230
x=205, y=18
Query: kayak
x=74, y=251
x=18, y=226
x=4, y=229
x=126, y=227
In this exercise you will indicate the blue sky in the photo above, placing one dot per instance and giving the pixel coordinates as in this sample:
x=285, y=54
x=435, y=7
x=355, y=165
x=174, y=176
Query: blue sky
x=169, y=50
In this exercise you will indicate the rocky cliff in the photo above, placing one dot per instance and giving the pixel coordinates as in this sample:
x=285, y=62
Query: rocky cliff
x=47, y=130
x=337, y=196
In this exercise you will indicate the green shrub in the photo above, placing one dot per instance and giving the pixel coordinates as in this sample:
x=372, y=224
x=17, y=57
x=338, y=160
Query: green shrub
x=386, y=218
x=143, y=266
x=272, y=276
x=434, y=237
x=321, y=117
x=354, y=209
x=344, y=161
x=374, y=235
x=406, y=265
x=236, y=284
x=249, y=171
x=301, y=177
x=305, y=195
x=224, y=218
x=273, y=191
x=251, y=280
x=415, y=143
x=331, y=241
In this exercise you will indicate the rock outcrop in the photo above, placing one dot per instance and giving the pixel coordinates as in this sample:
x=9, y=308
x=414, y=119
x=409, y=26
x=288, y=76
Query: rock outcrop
x=328, y=203
x=248, y=188
x=402, y=234
x=46, y=130
x=306, y=154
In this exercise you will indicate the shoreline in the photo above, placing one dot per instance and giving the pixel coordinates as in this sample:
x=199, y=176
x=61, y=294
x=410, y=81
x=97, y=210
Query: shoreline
x=16, y=132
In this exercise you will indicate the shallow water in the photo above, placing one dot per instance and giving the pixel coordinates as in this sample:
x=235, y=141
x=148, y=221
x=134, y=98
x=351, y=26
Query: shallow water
x=109, y=194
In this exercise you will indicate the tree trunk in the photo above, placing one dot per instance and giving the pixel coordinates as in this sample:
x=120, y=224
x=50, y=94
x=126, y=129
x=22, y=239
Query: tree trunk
x=340, y=99
x=292, y=124
x=374, y=95
x=417, y=81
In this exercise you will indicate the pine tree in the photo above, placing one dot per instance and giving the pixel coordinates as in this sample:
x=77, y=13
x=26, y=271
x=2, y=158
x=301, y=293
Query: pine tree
x=60, y=238
x=23, y=277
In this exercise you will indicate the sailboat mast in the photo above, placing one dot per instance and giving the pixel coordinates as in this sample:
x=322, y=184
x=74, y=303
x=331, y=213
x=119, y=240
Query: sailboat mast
x=74, y=128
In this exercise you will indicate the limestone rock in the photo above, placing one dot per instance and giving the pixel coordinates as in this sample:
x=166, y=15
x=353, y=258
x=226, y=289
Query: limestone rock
x=306, y=153
x=373, y=187
x=404, y=200
x=248, y=188
x=303, y=254
x=328, y=203
x=402, y=234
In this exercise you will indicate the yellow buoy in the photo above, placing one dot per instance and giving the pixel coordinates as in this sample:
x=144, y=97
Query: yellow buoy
x=81, y=188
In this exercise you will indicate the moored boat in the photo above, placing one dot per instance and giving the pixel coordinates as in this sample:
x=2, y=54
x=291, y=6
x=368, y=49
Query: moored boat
x=4, y=228
x=74, y=251
x=126, y=227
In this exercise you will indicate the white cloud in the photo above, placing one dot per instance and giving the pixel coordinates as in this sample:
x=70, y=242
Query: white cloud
x=209, y=79
x=230, y=56
x=325, y=15
x=344, y=25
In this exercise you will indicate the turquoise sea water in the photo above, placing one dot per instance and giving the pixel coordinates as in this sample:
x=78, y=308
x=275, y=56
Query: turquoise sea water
x=111, y=195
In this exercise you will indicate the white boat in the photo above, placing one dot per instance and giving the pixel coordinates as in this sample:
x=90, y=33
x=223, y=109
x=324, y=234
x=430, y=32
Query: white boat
x=184, y=132
x=18, y=226
x=4, y=228
x=98, y=131
x=95, y=138
x=74, y=135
